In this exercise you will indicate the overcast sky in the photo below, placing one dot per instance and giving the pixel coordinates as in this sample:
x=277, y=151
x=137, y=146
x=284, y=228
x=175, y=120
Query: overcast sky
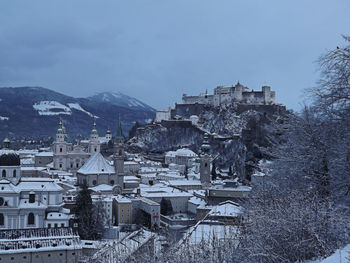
x=156, y=50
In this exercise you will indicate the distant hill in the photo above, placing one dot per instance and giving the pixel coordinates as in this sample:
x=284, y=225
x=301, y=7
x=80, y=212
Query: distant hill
x=36, y=111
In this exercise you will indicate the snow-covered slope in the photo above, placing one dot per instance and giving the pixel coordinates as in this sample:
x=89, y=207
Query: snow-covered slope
x=120, y=99
x=35, y=111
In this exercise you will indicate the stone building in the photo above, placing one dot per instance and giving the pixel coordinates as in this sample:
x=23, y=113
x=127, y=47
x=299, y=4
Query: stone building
x=69, y=158
x=233, y=94
x=97, y=170
x=28, y=202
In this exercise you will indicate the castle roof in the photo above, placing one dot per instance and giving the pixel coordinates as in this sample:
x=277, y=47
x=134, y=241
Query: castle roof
x=97, y=164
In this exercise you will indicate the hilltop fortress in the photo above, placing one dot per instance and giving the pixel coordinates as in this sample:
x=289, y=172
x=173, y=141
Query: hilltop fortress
x=233, y=94
x=240, y=96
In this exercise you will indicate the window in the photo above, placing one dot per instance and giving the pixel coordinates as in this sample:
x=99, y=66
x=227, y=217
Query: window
x=32, y=198
x=62, y=225
x=2, y=220
x=14, y=173
x=56, y=225
x=205, y=165
x=60, y=165
x=112, y=182
x=120, y=152
x=94, y=182
x=71, y=165
x=48, y=225
x=3, y=173
x=95, y=150
x=31, y=219
x=60, y=150
x=77, y=165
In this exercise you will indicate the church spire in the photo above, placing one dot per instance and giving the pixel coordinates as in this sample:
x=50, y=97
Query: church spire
x=94, y=129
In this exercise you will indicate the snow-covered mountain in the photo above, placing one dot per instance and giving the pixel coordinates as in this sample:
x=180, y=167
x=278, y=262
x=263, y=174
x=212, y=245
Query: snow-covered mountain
x=120, y=99
x=35, y=111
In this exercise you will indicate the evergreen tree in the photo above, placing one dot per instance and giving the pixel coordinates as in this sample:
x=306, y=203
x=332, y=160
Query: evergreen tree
x=91, y=218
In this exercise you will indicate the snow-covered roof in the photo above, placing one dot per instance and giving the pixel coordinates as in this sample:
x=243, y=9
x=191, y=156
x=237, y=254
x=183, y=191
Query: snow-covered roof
x=57, y=216
x=197, y=201
x=226, y=209
x=97, y=164
x=185, y=152
x=159, y=190
x=45, y=154
x=184, y=182
x=102, y=187
x=181, y=152
x=37, y=184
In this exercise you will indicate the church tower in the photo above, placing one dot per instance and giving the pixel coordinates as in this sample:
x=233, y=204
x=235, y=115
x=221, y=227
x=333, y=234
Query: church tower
x=94, y=143
x=108, y=135
x=60, y=148
x=119, y=155
x=204, y=169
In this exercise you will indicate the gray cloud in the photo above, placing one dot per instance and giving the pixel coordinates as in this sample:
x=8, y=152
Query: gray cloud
x=156, y=50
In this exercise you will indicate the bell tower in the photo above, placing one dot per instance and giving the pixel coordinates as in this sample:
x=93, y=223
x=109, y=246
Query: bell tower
x=119, y=155
x=94, y=143
x=60, y=148
x=205, y=159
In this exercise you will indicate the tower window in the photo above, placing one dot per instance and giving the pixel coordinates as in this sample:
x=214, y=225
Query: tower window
x=95, y=150
x=60, y=150
x=14, y=173
x=77, y=165
x=205, y=165
x=2, y=220
x=31, y=219
x=31, y=198
x=112, y=182
x=3, y=173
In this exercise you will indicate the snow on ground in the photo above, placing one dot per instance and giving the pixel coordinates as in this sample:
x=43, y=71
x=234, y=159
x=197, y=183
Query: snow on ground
x=52, y=108
x=76, y=106
x=339, y=256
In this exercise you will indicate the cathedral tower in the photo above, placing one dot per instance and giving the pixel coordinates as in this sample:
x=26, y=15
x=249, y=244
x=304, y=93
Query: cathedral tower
x=60, y=148
x=94, y=143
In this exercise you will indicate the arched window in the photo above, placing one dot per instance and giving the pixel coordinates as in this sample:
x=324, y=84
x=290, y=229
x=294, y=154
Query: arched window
x=14, y=173
x=60, y=150
x=3, y=173
x=95, y=149
x=2, y=220
x=31, y=219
